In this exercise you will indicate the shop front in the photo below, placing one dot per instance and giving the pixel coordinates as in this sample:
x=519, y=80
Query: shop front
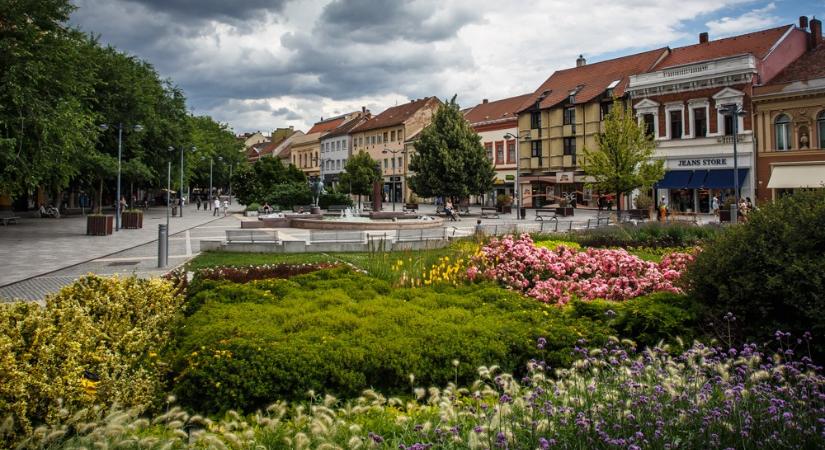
x=393, y=192
x=503, y=184
x=787, y=178
x=689, y=185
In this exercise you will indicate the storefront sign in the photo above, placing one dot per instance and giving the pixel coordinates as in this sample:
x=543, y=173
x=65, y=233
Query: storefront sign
x=704, y=162
x=509, y=177
x=564, y=177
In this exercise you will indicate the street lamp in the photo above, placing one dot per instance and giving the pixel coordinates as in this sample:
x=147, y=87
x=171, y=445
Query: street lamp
x=180, y=194
x=119, y=126
x=392, y=178
x=735, y=111
x=518, y=168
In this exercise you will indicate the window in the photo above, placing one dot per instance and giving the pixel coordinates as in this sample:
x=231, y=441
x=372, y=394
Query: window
x=569, y=116
x=392, y=135
x=511, y=152
x=782, y=129
x=535, y=149
x=569, y=146
x=650, y=125
x=399, y=135
x=535, y=119
x=385, y=136
x=820, y=127
x=400, y=162
x=606, y=108
x=700, y=122
x=338, y=145
x=361, y=140
x=386, y=163
x=499, y=152
x=338, y=164
x=488, y=149
x=343, y=145
x=379, y=139
x=728, y=118
x=676, y=124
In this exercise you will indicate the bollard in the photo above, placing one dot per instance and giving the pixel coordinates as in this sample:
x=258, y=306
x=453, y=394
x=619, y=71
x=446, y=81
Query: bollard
x=163, y=245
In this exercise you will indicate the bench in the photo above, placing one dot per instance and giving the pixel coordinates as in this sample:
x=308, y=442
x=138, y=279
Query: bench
x=410, y=206
x=8, y=217
x=252, y=236
x=546, y=214
x=337, y=208
x=305, y=208
x=489, y=213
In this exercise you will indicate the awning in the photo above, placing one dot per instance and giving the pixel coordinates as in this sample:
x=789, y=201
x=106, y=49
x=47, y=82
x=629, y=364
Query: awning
x=723, y=178
x=698, y=180
x=675, y=179
x=801, y=176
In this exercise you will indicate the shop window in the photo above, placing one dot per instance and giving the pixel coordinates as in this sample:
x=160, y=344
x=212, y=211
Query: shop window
x=700, y=122
x=650, y=124
x=488, y=149
x=782, y=131
x=511, y=151
x=535, y=119
x=676, y=124
x=820, y=127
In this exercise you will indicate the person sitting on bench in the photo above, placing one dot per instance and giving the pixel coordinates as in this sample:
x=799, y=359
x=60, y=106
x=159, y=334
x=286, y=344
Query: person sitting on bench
x=448, y=209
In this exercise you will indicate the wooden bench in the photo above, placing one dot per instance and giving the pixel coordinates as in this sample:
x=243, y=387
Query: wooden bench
x=8, y=217
x=253, y=236
x=410, y=206
x=489, y=213
x=546, y=214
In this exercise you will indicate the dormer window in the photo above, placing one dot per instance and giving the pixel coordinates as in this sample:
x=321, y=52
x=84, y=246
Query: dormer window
x=611, y=87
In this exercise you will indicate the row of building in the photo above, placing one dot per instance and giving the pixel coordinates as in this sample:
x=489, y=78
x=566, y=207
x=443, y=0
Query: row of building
x=771, y=83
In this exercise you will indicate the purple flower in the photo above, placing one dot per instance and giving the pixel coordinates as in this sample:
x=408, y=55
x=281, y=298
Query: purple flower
x=543, y=443
x=541, y=342
x=505, y=399
x=375, y=437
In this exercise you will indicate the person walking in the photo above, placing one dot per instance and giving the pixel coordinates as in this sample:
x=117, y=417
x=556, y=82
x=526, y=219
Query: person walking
x=216, y=206
x=714, y=205
x=198, y=202
x=225, y=207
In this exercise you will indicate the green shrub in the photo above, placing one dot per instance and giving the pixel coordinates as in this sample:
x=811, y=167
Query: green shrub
x=253, y=206
x=768, y=272
x=288, y=195
x=334, y=198
x=340, y=331
x=95, y=343
x=650, y=234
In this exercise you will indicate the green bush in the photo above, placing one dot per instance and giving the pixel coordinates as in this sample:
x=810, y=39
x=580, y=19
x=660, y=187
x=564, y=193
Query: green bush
x=650, y=234
x=768, y=272
x=288, y=195
x=334, y=198
x=253, y=207
x=340, y=331
x=95, y=344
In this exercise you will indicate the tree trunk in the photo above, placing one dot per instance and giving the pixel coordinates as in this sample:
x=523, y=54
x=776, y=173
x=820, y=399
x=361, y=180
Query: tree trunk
x=618, y=206
x=100, y=197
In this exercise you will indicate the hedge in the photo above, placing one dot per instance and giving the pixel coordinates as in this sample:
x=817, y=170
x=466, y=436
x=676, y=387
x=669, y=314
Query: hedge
x=340, y=332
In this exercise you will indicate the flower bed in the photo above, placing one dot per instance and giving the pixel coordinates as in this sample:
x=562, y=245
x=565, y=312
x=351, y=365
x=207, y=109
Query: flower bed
x=557, y=276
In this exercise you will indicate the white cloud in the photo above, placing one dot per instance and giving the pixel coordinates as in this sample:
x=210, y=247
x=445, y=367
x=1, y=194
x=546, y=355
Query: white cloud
x=308, y=59
x=750, y=21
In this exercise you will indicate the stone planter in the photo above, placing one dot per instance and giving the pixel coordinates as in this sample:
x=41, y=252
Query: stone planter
x=132, y=219
x=250, y=213
x=565, y=211
x=99, y=225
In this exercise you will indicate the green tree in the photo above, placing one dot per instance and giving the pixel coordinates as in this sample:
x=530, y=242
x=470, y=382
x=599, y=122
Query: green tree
x=449, y=160
x=216, y=141
x=360, y=173
x=268, y=178
x=622, y=162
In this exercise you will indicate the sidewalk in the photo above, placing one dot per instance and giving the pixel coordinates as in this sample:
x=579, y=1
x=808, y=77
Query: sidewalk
x=38, y=246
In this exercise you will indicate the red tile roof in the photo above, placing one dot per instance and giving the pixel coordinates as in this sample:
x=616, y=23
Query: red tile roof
x=326, y=125
x=395, y=115
x=346, y=127
x=497, y=110
x=591, y=80
x=809, y=66
x=758, y=44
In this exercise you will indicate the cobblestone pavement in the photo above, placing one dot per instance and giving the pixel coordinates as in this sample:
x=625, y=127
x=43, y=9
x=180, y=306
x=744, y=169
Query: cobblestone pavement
x=125, y=254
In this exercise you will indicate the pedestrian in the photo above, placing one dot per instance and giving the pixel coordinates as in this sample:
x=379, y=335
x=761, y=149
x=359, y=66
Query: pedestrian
x=749, y=203
x=225, y=207
x=198, y=202
x=662, y=210
x=714, y=205
x=216, y=205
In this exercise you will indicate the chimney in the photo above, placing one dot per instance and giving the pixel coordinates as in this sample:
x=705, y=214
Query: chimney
x=803, y=22
x=485, y=101
x=580, y=61
x=291, y=128
x=816, y=32
x=703, y=37
x=363, y=110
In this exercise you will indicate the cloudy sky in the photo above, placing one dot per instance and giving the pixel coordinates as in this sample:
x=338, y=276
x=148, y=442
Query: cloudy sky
x=262, y=64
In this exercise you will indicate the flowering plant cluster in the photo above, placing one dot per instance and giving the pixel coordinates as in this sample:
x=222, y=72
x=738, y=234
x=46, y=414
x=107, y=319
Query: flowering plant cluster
x=557, y=276
x=613, y=397
x=261, y=272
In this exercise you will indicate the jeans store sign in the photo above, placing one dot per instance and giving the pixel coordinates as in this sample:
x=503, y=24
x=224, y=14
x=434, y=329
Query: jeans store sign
x=703, y=162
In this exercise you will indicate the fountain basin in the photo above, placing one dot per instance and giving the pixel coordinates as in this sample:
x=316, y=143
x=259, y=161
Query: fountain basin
x=360, y=225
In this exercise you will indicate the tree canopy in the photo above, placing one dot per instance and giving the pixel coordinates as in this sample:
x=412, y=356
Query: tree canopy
x=622, y=162
x=360, y=172
x=449, y=160
x=268, y=179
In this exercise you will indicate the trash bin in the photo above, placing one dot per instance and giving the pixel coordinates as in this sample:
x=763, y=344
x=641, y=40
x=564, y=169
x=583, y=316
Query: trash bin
x=523, y=212
x=174, y=211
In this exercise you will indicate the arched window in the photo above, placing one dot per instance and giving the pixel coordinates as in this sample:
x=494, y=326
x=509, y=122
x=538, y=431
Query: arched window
x=820, y=128
x=782, y=130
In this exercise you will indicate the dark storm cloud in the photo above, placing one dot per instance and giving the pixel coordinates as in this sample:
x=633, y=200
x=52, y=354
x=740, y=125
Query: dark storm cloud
x=219, y=10
x=286, y=114
x=379, y=21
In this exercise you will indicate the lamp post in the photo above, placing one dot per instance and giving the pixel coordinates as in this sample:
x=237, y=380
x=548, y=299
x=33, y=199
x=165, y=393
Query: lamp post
x=518, y=168
x=119, y=126
x=392, y=177
x=735, y=111
x=180, y=194
x=230, y=183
